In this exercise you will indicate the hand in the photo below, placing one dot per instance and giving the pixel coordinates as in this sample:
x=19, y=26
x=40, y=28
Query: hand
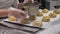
x=17, y=13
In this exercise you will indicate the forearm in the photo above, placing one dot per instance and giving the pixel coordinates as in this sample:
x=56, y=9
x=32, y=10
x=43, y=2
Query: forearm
x=3, y=12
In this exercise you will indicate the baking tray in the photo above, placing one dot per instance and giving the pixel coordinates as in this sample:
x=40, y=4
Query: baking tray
x=3, y=17
x=30, y=29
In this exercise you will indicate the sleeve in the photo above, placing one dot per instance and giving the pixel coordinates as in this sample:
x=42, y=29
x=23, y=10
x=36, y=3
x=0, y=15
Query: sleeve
x=15, y=3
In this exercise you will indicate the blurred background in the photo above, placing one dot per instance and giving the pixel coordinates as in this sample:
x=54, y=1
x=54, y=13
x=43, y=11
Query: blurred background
x=49, y=4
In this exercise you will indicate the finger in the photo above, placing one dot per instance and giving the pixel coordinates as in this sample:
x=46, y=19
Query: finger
x=23, y=14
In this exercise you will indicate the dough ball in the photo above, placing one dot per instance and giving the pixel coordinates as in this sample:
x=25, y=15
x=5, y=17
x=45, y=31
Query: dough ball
x=57, y=11
x=45, y=10
x=37, y=24
x=12, y=18
x=24, y=21
x=32, y=17
x=46, y=19
x=40, y=14
x=52, y=15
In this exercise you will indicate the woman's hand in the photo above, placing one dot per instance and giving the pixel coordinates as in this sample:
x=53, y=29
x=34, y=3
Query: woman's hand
x=17, y=13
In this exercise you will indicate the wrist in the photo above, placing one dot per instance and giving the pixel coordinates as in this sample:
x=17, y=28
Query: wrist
x=3, y=12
